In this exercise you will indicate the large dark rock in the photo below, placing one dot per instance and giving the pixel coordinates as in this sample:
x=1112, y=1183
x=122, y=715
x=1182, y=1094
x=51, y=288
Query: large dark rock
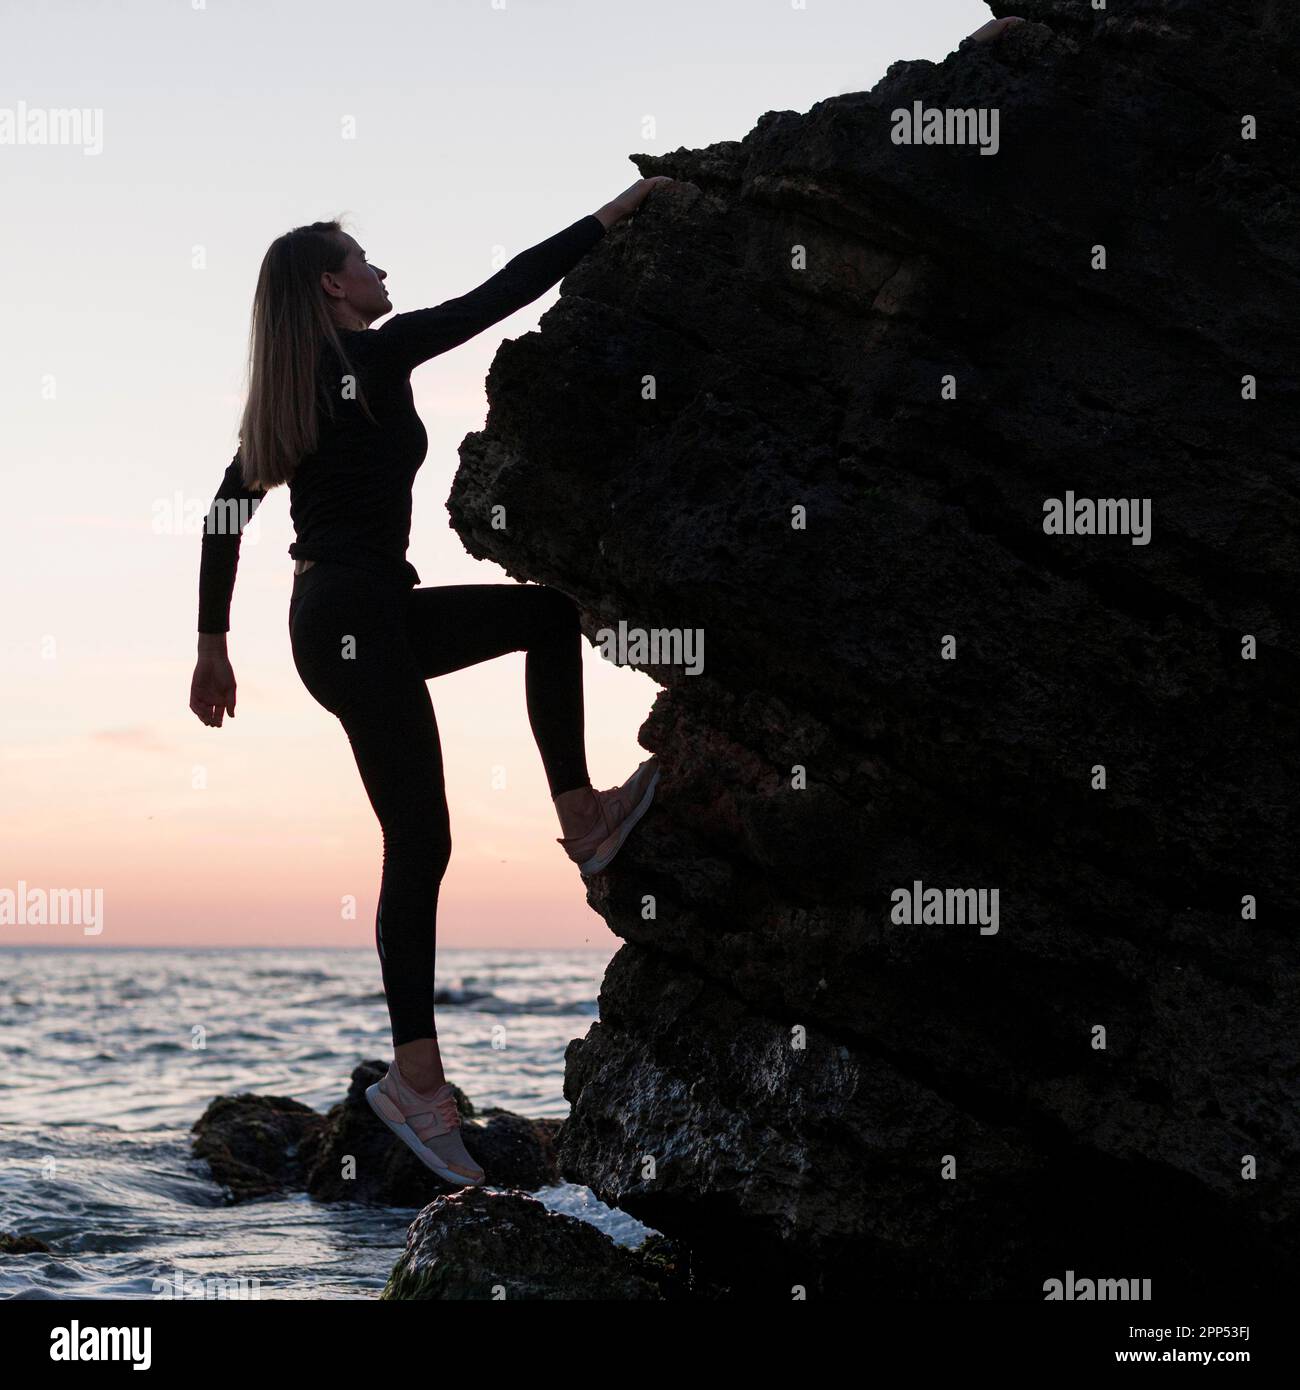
x=477, y=1244
x=361, y=1160
x=780, y=1068
x=259, y=1146
x=22, y=1245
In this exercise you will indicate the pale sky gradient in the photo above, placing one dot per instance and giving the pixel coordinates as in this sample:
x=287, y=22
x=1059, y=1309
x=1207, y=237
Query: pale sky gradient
x=481, y=128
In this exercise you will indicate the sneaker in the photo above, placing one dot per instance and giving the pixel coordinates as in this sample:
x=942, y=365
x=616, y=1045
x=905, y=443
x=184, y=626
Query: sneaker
x=620, y=809
x=428, y=1125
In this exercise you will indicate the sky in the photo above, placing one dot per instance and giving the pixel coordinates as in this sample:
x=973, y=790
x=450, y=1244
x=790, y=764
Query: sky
x=451, y=135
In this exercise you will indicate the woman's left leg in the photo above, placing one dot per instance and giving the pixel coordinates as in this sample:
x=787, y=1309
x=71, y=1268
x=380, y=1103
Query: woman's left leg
x=456, y=625
x=452, y=626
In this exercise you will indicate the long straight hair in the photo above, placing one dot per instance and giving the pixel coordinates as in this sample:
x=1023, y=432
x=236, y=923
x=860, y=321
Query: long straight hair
x=290, y=328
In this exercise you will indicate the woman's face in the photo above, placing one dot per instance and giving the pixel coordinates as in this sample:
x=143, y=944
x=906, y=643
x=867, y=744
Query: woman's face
x=356, y=290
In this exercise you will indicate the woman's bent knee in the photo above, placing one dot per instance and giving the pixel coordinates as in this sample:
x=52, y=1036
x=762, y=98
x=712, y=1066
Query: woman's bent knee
x=560, y=612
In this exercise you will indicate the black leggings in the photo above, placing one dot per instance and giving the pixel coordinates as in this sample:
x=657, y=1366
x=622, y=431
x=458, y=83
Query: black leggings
x=364, y=647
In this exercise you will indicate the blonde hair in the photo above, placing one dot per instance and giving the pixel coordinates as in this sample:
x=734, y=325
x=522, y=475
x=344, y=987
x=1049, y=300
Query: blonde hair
x=289, y=329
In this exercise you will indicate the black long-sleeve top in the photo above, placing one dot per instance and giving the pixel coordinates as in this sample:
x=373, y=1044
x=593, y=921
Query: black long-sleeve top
x=350, y=500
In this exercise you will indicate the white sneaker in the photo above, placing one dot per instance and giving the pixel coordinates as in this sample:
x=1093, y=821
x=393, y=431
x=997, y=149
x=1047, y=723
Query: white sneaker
x=620, y=809
x=428, y=1125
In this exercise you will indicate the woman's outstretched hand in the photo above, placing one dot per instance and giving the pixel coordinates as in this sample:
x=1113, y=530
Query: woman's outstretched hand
x=631, y=199
x=995, y=28
x=212, y=691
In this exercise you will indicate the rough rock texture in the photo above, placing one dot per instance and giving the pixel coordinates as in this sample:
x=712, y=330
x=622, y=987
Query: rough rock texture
x=21, y=1245
x=512, y=1150
x=796, y=1063
x=258, y=1146
x=505, y=1246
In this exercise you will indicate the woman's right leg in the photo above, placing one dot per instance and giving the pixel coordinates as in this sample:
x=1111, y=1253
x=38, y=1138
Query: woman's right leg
x=350, y=648
x=398, y=753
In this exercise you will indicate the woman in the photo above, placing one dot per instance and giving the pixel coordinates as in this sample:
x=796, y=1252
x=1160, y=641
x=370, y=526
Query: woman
x=330, y=412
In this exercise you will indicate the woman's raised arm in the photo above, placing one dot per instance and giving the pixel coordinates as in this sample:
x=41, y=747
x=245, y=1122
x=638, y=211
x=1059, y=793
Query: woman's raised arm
x=408, y=339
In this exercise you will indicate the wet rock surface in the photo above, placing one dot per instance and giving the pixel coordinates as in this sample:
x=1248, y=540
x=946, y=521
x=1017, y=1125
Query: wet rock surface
x=504, y=1246
x=257, y=1146
x=11, y=1244
x=512, y=1150
x=260, y=1146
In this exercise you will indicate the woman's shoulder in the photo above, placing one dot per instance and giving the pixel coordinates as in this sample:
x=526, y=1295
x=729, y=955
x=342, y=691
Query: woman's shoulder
x=351, y=349
x=360, y=347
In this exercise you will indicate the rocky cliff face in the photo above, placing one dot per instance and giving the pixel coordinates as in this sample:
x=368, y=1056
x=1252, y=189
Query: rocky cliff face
x=812, y=402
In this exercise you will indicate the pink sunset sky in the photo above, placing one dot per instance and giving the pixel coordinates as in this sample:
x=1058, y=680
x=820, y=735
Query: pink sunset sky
x=477, y=129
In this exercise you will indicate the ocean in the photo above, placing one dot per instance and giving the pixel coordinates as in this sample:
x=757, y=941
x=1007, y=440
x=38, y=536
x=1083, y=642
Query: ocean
x=102, y=1080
